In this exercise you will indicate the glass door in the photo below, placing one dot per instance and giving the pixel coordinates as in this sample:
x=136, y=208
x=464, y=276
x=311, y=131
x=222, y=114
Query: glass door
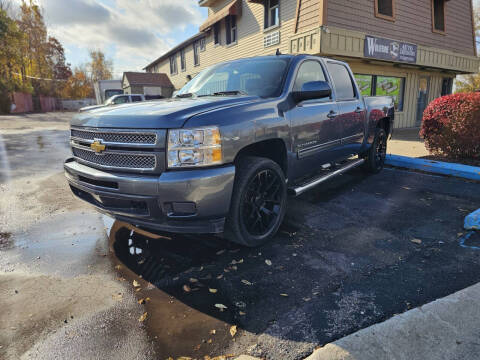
x=422, y=97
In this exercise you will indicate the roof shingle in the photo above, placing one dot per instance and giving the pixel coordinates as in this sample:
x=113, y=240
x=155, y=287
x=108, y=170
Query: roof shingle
x=145, y=78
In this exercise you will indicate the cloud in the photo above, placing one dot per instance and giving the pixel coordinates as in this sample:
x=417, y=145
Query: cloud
x=130, y=36
x=131, y=32
x=75, y=12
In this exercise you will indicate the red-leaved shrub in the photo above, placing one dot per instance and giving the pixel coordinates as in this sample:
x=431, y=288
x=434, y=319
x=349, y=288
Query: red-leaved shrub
x=451, y=126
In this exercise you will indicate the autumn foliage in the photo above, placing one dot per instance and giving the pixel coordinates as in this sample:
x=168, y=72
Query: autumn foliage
x=451, y=126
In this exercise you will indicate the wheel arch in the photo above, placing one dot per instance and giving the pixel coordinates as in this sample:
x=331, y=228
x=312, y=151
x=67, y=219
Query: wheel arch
x=274, y=149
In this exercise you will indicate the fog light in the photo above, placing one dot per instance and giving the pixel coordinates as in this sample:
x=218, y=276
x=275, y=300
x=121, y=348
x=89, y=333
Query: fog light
x=180, y=208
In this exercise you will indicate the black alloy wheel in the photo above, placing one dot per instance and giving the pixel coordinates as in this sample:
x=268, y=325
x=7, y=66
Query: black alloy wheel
x=375, y=157
x=261, y=203
x=258, y=203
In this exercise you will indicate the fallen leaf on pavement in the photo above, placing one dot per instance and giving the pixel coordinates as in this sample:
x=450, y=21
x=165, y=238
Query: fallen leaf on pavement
x=213, y=332
x=233, y=330
x=143, y=317
x=246, y=282
x=118, y=267
x=209, y=341
x=221, y=307
x=268, y=262
x=186, y=288
x=416, y=241
x=117, y=297
x=213, y=291
x=136, y=283
x=141, y=301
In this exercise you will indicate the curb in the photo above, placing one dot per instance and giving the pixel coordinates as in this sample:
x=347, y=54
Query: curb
x=446, y=328
x=435, y=167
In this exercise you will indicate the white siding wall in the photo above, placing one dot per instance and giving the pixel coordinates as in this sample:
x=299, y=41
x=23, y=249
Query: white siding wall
x=249, y=43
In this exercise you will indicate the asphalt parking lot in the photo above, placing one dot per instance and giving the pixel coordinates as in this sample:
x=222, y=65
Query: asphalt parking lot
x=351, y=253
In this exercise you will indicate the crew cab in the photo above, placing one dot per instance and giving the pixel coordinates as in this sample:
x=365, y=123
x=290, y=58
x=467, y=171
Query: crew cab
x=116, y=100
x=228, y=151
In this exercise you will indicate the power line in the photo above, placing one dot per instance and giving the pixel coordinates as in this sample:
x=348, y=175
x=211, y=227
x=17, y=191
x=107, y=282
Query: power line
x=37, y=78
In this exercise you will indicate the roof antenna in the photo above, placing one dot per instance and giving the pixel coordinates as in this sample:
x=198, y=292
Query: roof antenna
x=278, y=52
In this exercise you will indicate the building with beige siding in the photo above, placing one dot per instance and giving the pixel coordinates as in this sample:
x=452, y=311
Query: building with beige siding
x=409, y=49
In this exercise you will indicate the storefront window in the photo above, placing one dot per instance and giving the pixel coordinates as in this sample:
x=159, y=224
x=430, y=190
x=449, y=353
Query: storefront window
x=365, y=83
x=376, y=85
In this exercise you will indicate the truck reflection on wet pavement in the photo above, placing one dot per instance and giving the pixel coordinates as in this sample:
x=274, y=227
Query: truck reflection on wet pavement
x=348, y=256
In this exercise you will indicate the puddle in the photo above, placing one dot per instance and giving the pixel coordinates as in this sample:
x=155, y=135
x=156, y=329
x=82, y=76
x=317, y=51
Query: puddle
x=179, y=323
x=64, y=244
x=6, y=241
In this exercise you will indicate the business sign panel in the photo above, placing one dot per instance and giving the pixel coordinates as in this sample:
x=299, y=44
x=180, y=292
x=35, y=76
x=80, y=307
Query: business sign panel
x=390, y=50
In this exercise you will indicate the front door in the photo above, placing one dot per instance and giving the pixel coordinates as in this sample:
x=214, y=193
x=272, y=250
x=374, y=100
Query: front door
x=312, y=123
x=422, y=98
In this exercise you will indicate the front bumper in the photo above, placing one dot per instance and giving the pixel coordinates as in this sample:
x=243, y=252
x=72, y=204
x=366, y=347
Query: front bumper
x=202, y=195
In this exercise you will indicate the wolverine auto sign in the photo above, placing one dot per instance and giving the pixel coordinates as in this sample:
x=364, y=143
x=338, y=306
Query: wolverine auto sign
x=391, y=50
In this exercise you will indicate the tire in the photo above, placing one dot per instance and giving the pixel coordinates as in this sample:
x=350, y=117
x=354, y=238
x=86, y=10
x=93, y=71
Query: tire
x=258, y=203
x=375, y=157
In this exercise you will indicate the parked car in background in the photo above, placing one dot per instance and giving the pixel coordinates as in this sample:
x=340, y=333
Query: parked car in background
x=105, y=89
x=116, y=100
x=225, y=152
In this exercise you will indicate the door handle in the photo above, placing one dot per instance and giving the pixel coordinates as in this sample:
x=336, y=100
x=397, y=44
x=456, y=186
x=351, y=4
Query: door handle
x=332, y=114
x=359, y=110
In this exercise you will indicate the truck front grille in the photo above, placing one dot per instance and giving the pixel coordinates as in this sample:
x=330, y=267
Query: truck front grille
x=125, y=150
x=115, y=137
x=117, y=160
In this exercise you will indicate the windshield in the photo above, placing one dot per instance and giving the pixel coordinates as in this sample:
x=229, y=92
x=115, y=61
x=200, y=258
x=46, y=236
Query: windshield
x=257, y=77
x=111, y=92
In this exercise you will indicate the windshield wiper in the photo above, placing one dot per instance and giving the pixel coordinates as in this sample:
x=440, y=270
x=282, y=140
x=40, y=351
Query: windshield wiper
x=226, y=93
x=186, y=95
x=230, y=92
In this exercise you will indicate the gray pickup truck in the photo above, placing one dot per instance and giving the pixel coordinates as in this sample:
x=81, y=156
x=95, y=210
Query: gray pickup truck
x=225, y=154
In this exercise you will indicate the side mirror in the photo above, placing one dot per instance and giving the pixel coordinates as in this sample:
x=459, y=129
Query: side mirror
x=313, y=90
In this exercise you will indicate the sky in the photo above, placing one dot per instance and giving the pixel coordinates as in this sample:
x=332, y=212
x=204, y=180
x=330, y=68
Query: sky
x=132, y=33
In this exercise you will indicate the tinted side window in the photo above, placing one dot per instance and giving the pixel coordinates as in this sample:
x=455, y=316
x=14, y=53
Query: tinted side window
x=136, y=98
x=121, y=100
x=310, y=70
x=341, y=81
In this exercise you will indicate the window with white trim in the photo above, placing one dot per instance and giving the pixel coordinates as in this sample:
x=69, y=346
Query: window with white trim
x=183, y=65
x=231, y=29
x=196, y=55
x=272, y=13
x=216, y=33
x=173, y=64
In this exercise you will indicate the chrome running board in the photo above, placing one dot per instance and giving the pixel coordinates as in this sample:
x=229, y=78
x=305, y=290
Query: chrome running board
x=315, y=181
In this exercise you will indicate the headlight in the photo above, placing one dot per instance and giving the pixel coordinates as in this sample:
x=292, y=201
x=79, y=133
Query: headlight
x=194, y=147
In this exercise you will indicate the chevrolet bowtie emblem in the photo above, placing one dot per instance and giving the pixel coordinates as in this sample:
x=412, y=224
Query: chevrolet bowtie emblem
x=97, y=146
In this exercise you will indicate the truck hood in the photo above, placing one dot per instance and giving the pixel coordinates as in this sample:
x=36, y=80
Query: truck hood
x=162, y=114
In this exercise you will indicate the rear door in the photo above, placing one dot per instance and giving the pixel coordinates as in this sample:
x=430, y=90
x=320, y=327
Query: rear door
x=351, y=108
x=312, y=123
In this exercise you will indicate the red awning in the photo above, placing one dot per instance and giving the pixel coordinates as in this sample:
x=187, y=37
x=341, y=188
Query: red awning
x=234, y=8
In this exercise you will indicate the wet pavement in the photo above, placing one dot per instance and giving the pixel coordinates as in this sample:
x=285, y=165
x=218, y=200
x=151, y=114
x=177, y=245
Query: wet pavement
x=350, y=254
